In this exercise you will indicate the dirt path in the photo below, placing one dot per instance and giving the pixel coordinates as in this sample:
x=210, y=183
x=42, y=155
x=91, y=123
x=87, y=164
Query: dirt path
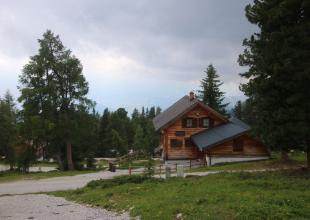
x=45, y=207
x=56, y=183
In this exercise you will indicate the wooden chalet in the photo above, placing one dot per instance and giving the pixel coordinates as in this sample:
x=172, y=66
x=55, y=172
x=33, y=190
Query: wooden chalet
x=192, y=130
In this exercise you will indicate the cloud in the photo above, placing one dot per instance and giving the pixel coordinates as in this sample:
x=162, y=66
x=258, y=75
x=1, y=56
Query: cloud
x=142, y=52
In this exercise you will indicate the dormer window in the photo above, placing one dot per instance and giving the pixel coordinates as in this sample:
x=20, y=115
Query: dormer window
x=205, y=122
x=189, y=123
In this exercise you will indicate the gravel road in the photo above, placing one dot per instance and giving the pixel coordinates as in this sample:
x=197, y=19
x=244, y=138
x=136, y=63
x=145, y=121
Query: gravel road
x=55, y=183
x=45, y=207
x=39, y=206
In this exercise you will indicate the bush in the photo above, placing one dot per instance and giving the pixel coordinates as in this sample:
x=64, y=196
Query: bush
x=116, y=181
x=25, y=159
x=149, y=168
x=90, y=161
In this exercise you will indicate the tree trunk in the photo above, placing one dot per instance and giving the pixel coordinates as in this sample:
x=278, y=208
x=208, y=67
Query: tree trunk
x=308, y=155
x=284, y=155
x=69, y=156
x=11, y=166
x=60, y=163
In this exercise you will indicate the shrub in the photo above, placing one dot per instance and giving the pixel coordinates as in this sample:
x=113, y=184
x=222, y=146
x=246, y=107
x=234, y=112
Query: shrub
x=116, y=181
x=149, y=168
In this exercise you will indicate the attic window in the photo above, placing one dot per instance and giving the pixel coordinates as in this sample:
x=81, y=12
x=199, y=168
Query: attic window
x=189, y=123
x=204, y=122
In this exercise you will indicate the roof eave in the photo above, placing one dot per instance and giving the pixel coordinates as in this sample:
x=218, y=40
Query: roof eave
x=198, y=102
x=221, y=141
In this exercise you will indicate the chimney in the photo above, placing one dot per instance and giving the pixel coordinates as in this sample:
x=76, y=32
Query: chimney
x=191, y=96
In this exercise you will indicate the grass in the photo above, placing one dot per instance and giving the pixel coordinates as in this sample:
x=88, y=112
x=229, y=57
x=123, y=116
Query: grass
x=8, y=176
x=297, y=159
x=261, y=195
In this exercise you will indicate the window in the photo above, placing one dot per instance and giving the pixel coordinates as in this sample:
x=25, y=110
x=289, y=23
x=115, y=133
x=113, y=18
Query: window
x=180, y=133
x=176, y=143
x=189, y=123
x=188, y=142
x=238, y=145
x=204, y=122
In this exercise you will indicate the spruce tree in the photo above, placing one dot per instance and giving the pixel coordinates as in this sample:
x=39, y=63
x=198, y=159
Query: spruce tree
x=210, y=93
x=52, y=88
x=237, y=110
x=8, y=129
x=138, y=143
x=277, y=57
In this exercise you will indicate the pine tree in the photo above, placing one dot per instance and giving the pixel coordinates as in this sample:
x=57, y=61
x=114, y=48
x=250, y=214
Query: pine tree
x=52, y=88
x=277, y=57
x=237, y=110
x=8, y=128
x=210, y=92
x=102, y=133
x=138, y=143
x=117, y=143
x=158, y=111
x=135, y=114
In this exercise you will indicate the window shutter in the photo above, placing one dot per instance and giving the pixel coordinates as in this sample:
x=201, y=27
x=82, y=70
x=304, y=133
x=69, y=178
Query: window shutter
x=188, y=142
x=200, y=122
x=211, y=123
x=184, y=123
x=194, y=122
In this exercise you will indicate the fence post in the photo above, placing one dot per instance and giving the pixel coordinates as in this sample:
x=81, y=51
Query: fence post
x=176, y=167
x=160, y=171
x=190, y=164
x=129, y=170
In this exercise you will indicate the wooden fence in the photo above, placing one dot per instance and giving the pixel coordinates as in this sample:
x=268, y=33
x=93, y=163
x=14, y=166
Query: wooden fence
x=161, y=169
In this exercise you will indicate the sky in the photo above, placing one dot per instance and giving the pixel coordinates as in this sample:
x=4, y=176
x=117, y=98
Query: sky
x=134, y=52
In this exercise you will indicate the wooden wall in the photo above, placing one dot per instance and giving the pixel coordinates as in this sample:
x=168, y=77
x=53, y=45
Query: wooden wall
x=251, y=147
x=169, y=133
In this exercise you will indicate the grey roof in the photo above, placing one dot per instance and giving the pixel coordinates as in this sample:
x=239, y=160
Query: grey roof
x=173, y=111
x=220, y=134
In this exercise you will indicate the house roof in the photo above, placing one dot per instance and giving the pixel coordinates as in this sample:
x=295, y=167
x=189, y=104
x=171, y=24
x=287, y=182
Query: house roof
x=173, y=112
x=178, y=109
x=219, y=134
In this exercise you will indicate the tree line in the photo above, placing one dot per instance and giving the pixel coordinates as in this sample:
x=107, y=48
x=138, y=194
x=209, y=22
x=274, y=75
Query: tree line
x=110, y=134
x=57, y=120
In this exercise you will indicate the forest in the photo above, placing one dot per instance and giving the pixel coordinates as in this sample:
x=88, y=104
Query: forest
x=58, y=120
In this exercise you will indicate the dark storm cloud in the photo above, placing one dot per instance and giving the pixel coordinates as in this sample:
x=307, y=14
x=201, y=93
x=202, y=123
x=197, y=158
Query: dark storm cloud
x=166, y=42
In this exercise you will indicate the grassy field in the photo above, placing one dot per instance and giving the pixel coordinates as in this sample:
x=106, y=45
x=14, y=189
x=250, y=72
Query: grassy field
x=261, y=195
x=297, y=159
x=8, y=176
